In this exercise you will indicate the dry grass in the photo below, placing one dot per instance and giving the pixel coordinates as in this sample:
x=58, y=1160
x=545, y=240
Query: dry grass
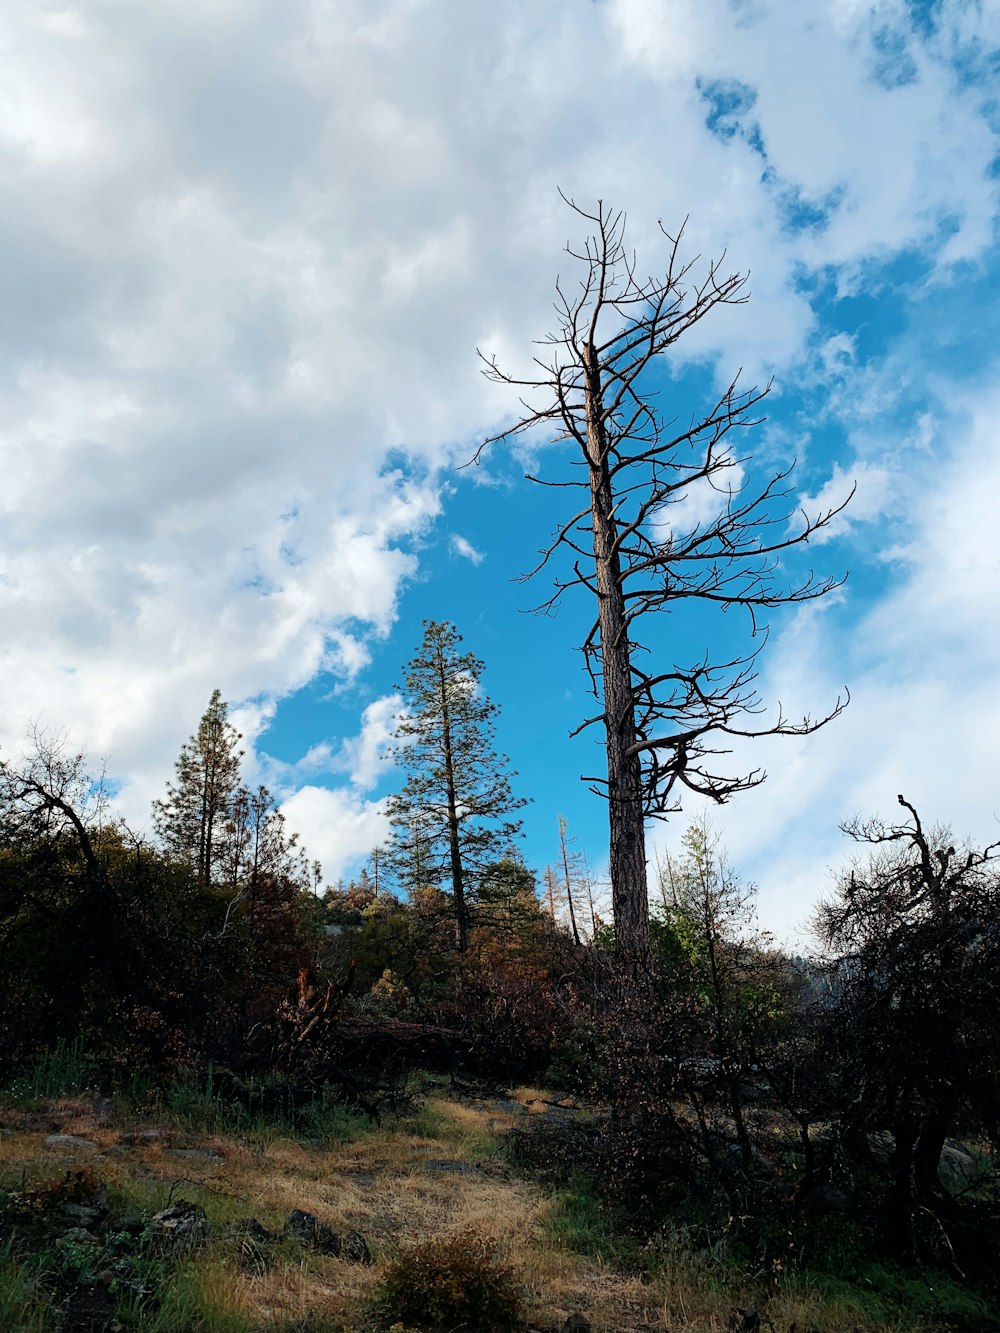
x=438, y=1175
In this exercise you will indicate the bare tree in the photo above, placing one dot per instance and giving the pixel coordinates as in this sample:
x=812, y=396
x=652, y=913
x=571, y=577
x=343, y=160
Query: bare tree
x=629, y=545
x=915, y=925
x=52, y=793
x=568, y=866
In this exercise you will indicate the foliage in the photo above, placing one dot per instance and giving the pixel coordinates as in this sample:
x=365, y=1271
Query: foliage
x=451, y=1282
x=454, y=815
x=914, y=1030
x=191, y=819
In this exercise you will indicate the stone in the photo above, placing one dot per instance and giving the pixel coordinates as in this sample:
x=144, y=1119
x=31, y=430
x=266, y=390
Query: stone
x=745, y=1321
x=958, y=1168
x=181, y=1226
x=143, y=1138
x=77, y=1236
x=89, y=1211
x=355, y=1249
x=195, y=1154
x=253, y=1256
x=577, y=1323
x=305, y=1227
x=70, y=1143
x=249, y=1226
x=104, y=1111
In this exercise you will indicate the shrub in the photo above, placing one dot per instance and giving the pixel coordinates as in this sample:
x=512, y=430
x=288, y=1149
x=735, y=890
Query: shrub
x=451, y=1282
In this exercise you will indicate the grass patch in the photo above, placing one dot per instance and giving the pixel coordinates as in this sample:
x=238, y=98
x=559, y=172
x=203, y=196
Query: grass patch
x=584, y=1223
x=64, y=1071
x=23, y=1306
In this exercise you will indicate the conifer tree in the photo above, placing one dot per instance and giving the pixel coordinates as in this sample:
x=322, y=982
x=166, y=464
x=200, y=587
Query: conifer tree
x=456, y=808
x=191, y=820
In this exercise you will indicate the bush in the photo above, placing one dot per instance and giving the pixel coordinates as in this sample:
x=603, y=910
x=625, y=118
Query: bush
x=451, y=1282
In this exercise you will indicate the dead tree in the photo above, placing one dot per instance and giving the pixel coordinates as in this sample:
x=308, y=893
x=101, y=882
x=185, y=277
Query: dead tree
x=665, y=725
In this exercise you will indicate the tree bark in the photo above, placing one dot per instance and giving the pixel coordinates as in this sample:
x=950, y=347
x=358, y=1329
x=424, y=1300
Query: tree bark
x=627, y=826
x=927, y=1153
x=454, y=845
x=569, y=882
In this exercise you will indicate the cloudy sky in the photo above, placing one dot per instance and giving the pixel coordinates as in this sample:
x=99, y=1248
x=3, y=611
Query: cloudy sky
x=247, y=253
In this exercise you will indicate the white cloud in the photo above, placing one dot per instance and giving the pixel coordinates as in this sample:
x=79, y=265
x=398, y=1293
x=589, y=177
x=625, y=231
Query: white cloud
x=873, y=498
x=364, y=756
x=463, y=547
x=337, y=827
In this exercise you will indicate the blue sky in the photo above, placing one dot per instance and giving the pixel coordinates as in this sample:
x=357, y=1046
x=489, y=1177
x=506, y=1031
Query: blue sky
x=247, y=255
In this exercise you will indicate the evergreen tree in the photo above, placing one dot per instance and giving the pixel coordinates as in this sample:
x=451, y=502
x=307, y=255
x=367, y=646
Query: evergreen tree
x=453, y=817
x=194, y=819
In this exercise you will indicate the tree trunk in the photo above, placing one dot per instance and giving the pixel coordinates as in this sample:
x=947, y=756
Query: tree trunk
x=627, y=828
x=927, y=1154
x=569, y=884
x=454, y=846
x=900, y=1202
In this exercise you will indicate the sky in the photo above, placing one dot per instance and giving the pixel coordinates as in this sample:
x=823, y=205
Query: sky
x=247, y=254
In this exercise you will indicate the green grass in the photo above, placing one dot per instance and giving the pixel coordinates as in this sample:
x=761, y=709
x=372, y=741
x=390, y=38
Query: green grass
x=584, y=1223
x=23, y=1306
x=268, y=1111
x=65, y=1071
x=196, y=1296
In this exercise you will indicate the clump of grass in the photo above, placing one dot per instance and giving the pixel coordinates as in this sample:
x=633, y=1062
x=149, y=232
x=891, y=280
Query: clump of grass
x=23, y=1305
x=582, y=1222
x=265, y=1109
x=199, y=1295
x=64, y=1071
x=450, y=1282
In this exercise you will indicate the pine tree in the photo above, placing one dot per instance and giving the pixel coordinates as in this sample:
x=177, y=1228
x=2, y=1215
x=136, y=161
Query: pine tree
x=453, y=817
x=193, y=821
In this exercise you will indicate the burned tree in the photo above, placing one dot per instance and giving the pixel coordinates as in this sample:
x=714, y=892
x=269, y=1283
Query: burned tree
x=913, y=929
x=629, y=545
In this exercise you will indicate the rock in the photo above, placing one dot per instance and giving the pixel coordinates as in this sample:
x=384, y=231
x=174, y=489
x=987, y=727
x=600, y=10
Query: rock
x=77, y=1237
x=577, y=1323
x=143, y=1138
x=125, y=1278
x=305, y=1227
x=958, y=1167
x=249, y=1236
x=827, y=1198
x=195, y=1154
x=91, y=1210
x=70, y=1143
x=253, y=1256
x=249, y=1226
x=355, y=1249
x=181, y=1226
x=104, y=1111
x=444, y=1166
x=745, y=1321
x=880, y=1146
x=508, y=1107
